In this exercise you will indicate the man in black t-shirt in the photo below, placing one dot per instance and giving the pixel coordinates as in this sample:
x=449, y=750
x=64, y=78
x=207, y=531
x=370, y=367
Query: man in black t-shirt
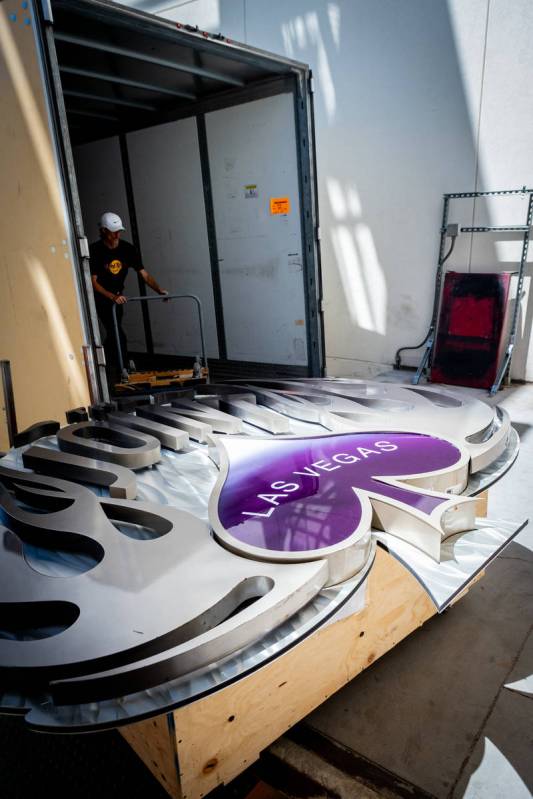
x=110, y=260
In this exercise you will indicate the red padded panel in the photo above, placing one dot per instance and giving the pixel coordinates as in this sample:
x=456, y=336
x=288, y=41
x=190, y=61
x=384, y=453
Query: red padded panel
x=469, y=335
x=472, y=317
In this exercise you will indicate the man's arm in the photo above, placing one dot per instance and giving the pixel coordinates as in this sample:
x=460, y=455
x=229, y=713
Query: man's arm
x=152, y=282
x=118, y=298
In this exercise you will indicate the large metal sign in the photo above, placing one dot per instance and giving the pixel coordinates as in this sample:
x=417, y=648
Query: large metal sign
x=171, y=547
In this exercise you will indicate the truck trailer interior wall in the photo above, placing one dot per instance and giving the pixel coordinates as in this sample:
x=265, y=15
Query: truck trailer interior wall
x=101, y=184
x=169, y=201
x=166, y=177
x=101, y=187
x=252, y=158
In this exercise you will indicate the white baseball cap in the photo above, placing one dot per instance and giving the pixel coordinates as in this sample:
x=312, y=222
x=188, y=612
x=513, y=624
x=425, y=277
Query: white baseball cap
x=111, y=222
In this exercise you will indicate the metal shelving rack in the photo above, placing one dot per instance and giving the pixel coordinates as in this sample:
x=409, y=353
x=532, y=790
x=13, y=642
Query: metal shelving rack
x=451, y=231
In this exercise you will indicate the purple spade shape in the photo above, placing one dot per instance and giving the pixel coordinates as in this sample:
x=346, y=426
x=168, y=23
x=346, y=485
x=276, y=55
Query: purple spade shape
x=301, y=494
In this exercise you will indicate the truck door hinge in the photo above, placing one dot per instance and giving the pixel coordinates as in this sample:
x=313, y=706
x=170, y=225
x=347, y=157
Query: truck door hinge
x=100, y=355
x=83, y=244
x=318, y=234
x=47, y=11
x=312, y=84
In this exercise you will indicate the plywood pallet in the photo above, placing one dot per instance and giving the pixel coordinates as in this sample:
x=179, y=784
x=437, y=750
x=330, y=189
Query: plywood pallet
x=212, y=740
x=154, y=379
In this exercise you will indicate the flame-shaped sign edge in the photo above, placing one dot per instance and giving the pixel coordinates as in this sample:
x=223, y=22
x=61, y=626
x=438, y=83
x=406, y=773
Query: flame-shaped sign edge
x=41, y=714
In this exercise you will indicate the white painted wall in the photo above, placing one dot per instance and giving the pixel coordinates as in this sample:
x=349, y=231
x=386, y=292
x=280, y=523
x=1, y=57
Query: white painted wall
x=414, y=98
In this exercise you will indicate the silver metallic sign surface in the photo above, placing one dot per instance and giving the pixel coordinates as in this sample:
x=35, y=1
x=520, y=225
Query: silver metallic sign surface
x=168, y=437
x=134, y=618
x=463, y=556
x=110, y=442
x=219, y=421
x=338, y=404
x=196, y=429
x=120, y=481
x=237, y=543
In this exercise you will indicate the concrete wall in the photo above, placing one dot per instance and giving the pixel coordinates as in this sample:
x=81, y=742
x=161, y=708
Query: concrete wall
x=414, y=98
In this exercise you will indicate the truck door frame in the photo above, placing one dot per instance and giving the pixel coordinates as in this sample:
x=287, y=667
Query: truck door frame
x=306, y=163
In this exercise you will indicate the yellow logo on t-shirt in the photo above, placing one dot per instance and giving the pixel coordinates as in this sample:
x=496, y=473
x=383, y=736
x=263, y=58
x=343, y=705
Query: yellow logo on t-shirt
x=115, y=267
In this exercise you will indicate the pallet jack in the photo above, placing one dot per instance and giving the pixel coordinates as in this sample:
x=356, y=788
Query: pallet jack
x=133, y=382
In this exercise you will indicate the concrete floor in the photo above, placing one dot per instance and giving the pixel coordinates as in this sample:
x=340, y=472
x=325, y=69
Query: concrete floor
x=436, y=711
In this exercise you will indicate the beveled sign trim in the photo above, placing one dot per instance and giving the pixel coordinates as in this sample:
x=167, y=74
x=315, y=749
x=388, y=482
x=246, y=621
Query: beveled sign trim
x=390, y=508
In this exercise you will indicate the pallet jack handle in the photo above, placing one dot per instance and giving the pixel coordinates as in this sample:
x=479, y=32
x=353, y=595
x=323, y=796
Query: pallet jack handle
x=162, y=298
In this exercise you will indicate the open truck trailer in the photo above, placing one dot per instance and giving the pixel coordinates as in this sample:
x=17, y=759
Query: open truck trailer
x=204, y=147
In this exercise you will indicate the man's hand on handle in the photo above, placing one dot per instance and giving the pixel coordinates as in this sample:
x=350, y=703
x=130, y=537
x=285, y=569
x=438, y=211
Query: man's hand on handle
x=120, y=299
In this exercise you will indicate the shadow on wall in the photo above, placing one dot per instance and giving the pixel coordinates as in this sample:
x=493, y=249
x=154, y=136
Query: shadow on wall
x=398, y=93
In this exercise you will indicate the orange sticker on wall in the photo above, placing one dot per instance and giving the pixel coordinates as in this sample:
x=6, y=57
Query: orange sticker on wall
x=280, y=205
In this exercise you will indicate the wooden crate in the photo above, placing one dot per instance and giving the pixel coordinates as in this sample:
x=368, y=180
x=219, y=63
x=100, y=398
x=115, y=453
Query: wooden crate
x=212, y=740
